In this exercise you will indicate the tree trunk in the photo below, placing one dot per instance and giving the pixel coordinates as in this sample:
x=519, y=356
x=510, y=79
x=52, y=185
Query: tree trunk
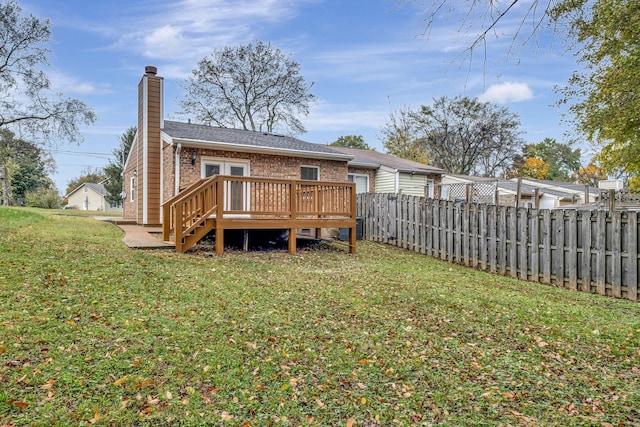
x=5, y=185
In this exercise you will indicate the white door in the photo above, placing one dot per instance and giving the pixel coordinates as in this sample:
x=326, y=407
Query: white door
x=236, y=193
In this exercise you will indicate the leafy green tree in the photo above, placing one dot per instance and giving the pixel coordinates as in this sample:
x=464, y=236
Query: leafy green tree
x=113, y=171
x=30, y=173
x=23, y=167
x=605, y=97
x=26, y=99
x=254, y=86
x=402, y=137
x=90, y=175
x=351, y=141
x=563, y=162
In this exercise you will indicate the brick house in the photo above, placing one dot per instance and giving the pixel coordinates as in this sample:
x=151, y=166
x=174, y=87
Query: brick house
x=167, y=156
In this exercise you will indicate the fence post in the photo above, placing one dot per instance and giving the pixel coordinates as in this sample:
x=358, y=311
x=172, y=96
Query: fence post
x=586, y=193
x=612, y=200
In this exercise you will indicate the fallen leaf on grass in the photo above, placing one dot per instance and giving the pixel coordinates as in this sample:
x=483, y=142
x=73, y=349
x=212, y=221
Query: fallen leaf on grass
x=18, y=403
x=95, y=419
x=121, y=381
x=350, y=422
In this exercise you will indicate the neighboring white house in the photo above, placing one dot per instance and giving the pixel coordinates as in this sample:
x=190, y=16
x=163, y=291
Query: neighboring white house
x=550, y=194
x=377, y=172
x=91, y=197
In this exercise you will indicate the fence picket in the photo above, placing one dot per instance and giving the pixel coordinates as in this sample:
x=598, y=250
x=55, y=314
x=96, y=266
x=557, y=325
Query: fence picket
x=545, y=255
x=601, y=260
x=586, y=252
x=534, y=238
x=513, y=242
x=571, y=268
x=632, y=256
x=483, y=236
x=616, y=256
x=492, y=244
x=573, y=249
x=502, y=236
x=523, y=221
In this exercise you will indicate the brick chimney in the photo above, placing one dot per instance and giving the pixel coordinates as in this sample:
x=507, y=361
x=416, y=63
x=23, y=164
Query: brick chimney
x=149, y=146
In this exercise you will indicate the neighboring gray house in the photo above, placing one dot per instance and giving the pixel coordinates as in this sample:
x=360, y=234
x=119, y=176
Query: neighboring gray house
x=91, y=197
x=375, y=172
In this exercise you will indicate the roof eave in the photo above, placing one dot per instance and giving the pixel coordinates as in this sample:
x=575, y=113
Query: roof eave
x=419, y=171
x=227, y=146
x=365, y=165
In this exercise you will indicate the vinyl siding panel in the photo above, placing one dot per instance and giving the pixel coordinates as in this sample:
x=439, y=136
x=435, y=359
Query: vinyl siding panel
x=412, y=185
x=385, y=181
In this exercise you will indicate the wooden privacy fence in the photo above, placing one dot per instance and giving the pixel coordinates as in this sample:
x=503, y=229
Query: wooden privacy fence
x=589, y=251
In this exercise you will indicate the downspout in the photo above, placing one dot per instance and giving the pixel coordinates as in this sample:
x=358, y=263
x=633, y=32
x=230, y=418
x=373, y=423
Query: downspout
x=397, y=181
x=177, y=168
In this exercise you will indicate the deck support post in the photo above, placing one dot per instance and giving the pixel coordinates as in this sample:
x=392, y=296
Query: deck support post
x=352, y=240
x=219, y=241
x=245, y=241
x=318, y=233
x=292, y=240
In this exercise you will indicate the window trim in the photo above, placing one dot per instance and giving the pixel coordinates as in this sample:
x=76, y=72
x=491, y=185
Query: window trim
x=317, y=168
x=132, y=190
x=360, y=175
x=225, y=163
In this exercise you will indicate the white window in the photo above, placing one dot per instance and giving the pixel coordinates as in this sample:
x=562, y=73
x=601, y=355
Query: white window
x=132, y=189
x=310, y=173
x=361, y=180
x=214, y=166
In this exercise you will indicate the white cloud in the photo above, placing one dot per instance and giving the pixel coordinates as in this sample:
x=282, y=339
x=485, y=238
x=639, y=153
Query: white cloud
x=68, y=84
x=503, y=93
x=325, y=117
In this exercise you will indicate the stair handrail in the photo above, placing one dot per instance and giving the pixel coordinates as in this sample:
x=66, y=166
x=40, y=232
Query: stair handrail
x=169, y=207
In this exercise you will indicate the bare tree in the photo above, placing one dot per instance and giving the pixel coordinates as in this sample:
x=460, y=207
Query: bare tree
x=460, y=135
x=27, y=103
x=481, y=19
x=254, y=87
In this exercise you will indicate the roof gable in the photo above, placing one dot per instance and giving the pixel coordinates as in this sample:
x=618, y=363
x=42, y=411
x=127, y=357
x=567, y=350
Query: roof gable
x=97, y=188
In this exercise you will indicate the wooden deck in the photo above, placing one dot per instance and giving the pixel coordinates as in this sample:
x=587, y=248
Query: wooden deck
x=239, y=202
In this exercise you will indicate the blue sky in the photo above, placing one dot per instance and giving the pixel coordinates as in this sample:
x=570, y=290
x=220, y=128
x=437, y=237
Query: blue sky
x=365, y=57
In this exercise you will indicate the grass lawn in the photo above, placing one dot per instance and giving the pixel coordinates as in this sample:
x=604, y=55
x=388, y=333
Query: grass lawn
x=92, y=332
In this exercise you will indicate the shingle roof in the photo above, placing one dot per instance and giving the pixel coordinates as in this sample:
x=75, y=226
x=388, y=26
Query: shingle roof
x=375, y=158
x=98, y=188
x=245, y=138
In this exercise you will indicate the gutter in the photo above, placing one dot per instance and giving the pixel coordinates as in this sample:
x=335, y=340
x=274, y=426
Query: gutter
x=227, y=146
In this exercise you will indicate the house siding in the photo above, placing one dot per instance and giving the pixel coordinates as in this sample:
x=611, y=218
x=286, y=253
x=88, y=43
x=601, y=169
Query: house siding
x=95, y=201
x=412, y=185
x=385, y=181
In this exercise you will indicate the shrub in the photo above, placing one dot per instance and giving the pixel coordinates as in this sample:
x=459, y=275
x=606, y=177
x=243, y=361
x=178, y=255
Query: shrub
x=43, y=198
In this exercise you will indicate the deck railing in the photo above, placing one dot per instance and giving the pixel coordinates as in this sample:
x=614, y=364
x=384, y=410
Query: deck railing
x=247, y=202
